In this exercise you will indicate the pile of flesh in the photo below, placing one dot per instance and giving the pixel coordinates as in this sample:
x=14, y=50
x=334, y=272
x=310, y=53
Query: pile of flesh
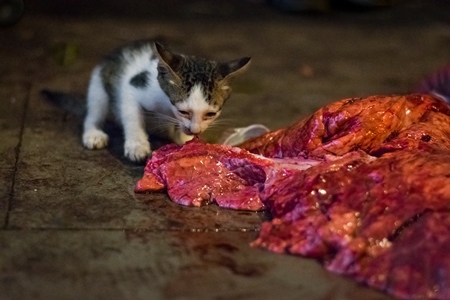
x=362, y=184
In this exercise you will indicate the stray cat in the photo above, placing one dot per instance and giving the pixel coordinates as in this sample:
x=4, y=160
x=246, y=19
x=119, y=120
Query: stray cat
x=144, y=76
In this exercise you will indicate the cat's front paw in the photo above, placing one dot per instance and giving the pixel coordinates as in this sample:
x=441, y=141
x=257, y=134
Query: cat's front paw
x=95, y=139
x=137, y=150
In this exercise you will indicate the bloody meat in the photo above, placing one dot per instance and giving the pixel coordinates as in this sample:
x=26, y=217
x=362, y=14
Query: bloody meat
x=362, y=184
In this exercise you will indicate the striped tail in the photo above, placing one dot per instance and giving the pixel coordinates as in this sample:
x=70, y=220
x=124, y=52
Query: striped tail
x=437, y=84
x=74, y=104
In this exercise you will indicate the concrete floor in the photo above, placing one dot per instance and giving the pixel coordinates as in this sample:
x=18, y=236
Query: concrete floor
x=71, y=225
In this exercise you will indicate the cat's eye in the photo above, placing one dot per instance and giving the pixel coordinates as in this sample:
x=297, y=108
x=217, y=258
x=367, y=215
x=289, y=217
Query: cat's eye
x=184, y=113
x=210, y=114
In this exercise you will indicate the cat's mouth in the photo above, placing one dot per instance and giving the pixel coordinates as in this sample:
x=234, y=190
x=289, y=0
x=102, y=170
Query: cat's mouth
x=189, y=132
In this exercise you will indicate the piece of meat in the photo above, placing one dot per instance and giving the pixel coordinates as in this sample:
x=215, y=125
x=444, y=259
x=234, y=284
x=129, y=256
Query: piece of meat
x=416, y=264
x=194, y=174
x=362, y=184
x=356, y=211
x=198, y=174
x=346, y=125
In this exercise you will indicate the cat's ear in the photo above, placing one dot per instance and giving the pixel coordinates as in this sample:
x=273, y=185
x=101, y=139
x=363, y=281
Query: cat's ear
x=171, y=60
x=232, y=68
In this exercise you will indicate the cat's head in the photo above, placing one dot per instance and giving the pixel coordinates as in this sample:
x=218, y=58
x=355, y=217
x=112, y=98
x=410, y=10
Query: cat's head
x=197, y=88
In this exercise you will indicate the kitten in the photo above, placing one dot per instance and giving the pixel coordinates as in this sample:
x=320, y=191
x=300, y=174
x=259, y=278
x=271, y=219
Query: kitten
x=144, y=76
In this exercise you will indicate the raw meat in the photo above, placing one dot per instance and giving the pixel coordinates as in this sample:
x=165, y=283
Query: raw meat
x=198, y=174
x=346, y=125
x=362, y=184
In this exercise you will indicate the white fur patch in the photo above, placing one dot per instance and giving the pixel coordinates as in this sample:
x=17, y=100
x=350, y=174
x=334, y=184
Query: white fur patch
x=197, y=105
x=196, y=100
x=152, y=97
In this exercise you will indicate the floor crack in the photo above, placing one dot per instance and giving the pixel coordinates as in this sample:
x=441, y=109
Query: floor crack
x=17, y=150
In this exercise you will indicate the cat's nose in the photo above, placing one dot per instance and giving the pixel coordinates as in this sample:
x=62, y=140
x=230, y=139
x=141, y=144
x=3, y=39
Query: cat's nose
x=195, y=130
x=189, y=131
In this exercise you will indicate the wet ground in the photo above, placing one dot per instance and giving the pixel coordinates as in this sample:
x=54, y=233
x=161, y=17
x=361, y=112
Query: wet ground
x=72, y=226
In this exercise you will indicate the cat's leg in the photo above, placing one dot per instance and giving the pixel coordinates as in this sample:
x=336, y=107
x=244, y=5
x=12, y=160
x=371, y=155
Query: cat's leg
x=137, y=146
x=97, y=109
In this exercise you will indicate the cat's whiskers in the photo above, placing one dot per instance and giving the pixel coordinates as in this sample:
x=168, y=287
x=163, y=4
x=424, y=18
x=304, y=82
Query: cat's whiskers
x=162, y=118
x=160, y=122
x=218, y=123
